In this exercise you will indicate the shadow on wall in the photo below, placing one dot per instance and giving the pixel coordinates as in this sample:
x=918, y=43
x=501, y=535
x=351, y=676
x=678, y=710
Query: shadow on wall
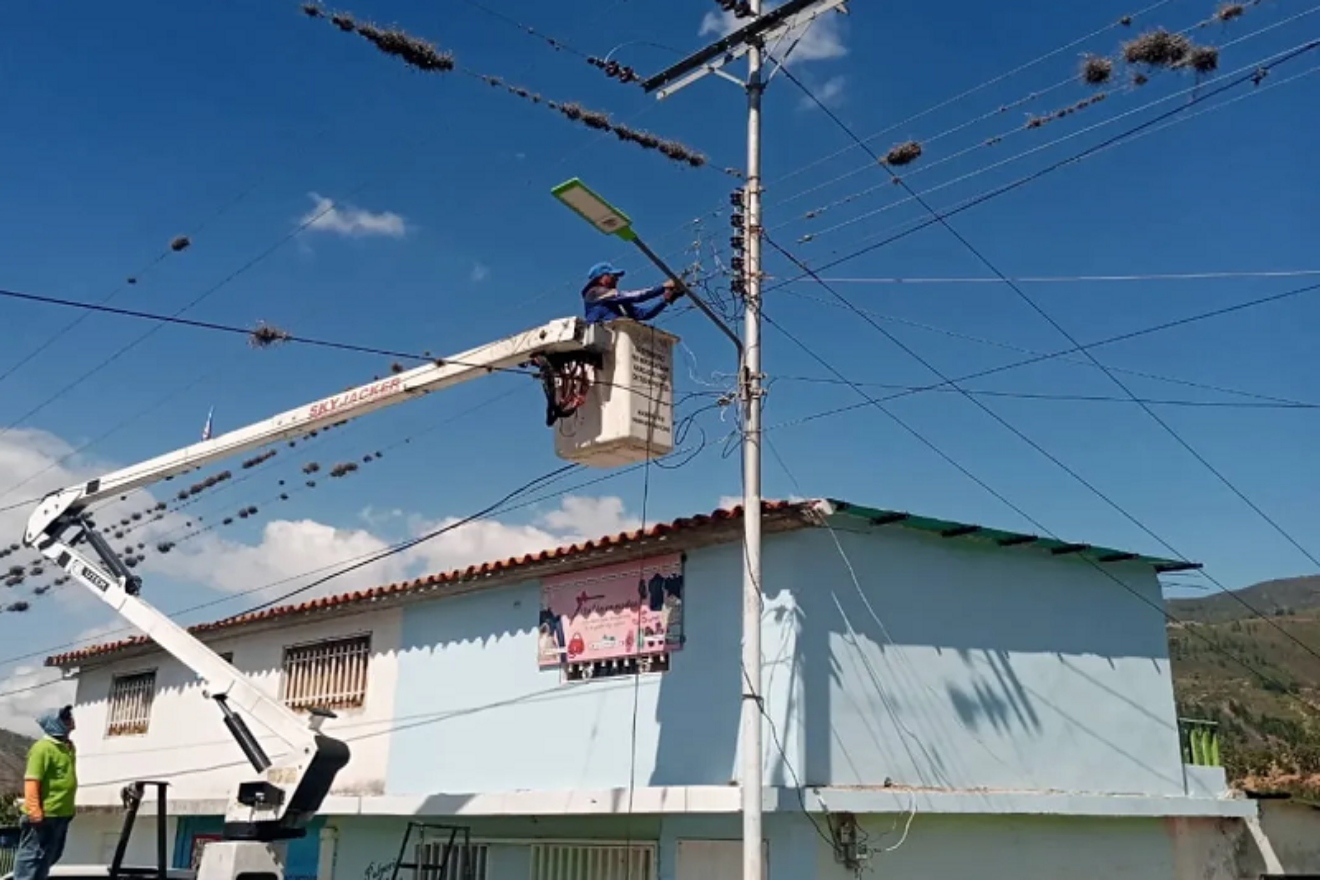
x=955, y=666
x=489, y=718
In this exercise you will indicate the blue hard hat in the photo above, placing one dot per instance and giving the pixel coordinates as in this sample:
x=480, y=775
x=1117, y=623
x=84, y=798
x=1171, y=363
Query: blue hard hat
x=600, y=269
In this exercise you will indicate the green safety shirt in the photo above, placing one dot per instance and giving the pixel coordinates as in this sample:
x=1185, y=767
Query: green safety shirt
x=51, y=762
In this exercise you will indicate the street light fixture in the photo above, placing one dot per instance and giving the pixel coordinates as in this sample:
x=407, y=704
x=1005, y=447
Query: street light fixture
x=587, y=204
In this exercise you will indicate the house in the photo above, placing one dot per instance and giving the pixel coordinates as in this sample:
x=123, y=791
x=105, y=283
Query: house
x=941, y=699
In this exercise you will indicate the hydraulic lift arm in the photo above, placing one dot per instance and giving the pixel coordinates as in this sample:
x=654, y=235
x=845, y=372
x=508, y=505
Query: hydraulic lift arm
x=284, y=796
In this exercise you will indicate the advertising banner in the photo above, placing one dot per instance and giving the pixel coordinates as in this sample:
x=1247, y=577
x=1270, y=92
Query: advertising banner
x=628, y=609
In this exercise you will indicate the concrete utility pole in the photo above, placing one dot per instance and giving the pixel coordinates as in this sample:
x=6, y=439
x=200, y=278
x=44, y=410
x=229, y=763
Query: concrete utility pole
x=782, y=24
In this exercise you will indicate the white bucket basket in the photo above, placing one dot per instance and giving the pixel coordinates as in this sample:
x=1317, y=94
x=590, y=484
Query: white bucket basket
x=628, y=415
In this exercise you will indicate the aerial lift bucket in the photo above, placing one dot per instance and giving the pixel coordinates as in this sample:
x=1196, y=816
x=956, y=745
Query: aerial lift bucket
x=627, y=414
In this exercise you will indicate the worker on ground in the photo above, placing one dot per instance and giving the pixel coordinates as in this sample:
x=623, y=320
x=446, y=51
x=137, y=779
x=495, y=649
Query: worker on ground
x=603, y=300
x=49, y=787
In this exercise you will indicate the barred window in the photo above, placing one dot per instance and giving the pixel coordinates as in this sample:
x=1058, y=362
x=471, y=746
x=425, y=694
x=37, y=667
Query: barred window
x=131, y=697
x=564, y=861
x=436, y=860
x=330, y=674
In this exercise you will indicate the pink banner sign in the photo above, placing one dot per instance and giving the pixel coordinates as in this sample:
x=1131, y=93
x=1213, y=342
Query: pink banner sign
x=628, y=609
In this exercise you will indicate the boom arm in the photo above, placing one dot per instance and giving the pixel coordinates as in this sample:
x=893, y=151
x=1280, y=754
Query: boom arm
x=286, y=795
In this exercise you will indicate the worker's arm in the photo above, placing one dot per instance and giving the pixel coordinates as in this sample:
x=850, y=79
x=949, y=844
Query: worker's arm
x=668, y=290
x=633, y=297
x=36, y=769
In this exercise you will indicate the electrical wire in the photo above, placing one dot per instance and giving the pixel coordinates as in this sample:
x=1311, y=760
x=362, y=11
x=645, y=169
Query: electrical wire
x=87, y=308
x=980, y=86
x=1064, y=279
x=1017, y=130
x=1091, y=487
x=1257, y=90
x=1026, y=298
x=929, y=444
x=1007, y=346
x=1070, y=398
x=612, y=475
x=1276, y=61
x=1121, y=337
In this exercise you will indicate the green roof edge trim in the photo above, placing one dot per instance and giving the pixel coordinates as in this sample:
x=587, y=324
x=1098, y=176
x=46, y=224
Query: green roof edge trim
x=1001, y=539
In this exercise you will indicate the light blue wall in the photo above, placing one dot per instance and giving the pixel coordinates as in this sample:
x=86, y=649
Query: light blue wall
x=946, y=665
x=476, y=714
x=961, y=666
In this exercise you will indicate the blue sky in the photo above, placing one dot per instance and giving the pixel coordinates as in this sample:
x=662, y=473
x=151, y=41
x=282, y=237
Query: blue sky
x=125, y=128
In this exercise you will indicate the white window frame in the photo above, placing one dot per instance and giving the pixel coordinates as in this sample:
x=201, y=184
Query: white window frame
x=122, y=689
x=342, y=686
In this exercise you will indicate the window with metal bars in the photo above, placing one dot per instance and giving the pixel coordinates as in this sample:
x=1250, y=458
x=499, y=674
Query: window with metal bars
x=131, y=697
x=329, y=674
x=463, y=863
x=593, y=861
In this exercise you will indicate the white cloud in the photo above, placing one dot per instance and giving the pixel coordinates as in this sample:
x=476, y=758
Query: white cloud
x=830, y=94
x=351, y=221
x=821, y=40
x=480, y=272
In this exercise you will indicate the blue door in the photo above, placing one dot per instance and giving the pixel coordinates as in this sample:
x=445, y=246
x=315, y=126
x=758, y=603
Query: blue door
x=304, y=853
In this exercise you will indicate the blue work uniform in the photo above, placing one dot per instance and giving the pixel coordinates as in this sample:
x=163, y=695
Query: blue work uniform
x=605, y=304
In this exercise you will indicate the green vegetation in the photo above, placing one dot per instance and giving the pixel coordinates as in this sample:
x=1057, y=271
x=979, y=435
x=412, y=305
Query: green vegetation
x=1269, y=720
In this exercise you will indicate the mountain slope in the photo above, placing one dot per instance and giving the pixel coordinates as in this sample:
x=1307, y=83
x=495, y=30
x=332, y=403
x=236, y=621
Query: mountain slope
x=1269, y=715
x=13, y=758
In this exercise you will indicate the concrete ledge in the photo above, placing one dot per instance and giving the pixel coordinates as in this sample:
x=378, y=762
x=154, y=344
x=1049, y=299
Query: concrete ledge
x=1060, y=803
x=726, y=799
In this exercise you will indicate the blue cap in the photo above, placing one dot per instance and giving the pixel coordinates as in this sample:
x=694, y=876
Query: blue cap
x=603, y=269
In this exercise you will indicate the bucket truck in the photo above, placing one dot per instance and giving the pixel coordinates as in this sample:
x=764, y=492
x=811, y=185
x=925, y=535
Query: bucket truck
x=278, y=801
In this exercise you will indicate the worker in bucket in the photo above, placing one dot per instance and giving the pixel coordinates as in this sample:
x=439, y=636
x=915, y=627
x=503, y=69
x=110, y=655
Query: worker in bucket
x=49, y=788
x=603, y=300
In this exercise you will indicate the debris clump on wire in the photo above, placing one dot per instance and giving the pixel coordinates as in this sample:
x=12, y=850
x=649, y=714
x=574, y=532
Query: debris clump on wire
x=904, y=154
x=1064, y=112
x=256, y=460
x=1097, y=70
x=180, y=243
x=266, y=335
x=599, y=121
x=1157, y=48
x=413, y=51
x=1230, y=11
x=1202, y=59
x=423, y=55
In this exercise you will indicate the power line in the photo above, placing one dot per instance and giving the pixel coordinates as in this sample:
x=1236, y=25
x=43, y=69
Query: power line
x=1066, y=279
x=1122, y=337
x=982, y=258
x=995, y=343
x=612, y=475
x=87, y=307
x=1118, y=508
x=1020, y=182
x=1040, y=147
x=1074, y=398
x=1016, y=130
x=1257, y=90
x=980, y=86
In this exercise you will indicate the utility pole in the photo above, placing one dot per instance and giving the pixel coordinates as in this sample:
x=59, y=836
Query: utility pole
x=787, y=21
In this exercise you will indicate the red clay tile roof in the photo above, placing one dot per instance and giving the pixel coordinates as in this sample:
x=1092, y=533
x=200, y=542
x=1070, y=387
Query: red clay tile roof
x=486, y=569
